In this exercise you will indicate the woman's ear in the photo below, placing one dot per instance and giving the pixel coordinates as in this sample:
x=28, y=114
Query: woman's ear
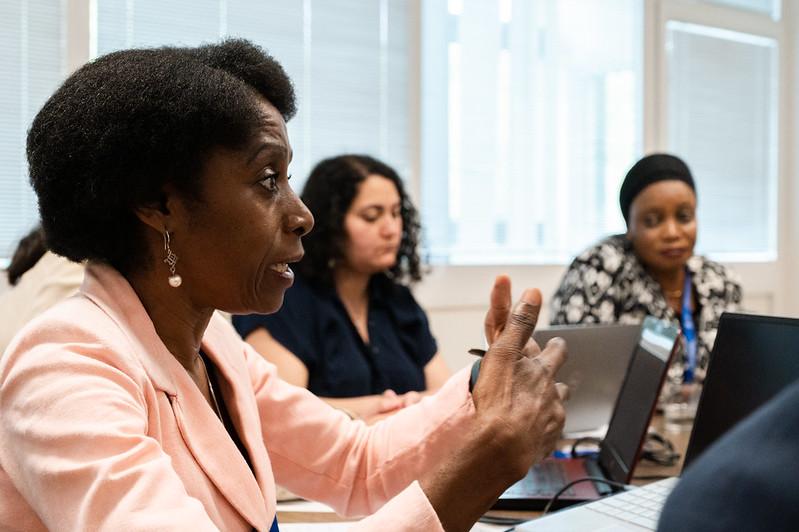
x=158, y=214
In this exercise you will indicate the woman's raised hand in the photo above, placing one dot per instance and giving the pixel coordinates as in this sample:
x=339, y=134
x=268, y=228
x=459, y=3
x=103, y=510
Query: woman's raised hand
x=516, y=389
x=519, y=413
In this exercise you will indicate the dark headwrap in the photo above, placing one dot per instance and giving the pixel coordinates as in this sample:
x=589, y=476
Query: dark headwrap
x=651, y=169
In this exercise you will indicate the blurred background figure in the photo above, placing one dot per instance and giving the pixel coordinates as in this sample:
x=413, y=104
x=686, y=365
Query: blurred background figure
x=652, y=269
x=350, y=330
x=38, y=280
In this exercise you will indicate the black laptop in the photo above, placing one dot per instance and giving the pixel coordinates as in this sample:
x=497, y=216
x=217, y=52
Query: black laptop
x=760, y=357
x=619, y=451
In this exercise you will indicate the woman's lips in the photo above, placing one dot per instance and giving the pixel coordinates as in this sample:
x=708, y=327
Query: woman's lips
x=388, y=250
x=674, y=253
x=282, y=269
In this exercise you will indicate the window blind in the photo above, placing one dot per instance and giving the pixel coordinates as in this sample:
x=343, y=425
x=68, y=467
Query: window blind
x=348, y=60
x=32, y=64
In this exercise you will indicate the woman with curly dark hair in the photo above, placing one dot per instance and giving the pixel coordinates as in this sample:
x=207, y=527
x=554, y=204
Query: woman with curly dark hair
x=350, y=330
x=135, y=406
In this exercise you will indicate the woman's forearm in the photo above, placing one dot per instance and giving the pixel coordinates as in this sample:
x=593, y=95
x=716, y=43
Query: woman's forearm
x=365, y=407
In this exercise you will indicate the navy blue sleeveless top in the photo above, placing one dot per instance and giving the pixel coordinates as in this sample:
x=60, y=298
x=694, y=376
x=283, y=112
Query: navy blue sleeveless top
x=314, y=325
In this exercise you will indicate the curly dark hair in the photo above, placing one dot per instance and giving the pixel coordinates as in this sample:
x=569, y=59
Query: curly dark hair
x=29, y=250
x=328, y=193
x=123, y=126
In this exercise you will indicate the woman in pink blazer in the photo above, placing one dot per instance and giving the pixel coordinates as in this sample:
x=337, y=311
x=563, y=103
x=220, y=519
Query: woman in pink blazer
x=133, y=406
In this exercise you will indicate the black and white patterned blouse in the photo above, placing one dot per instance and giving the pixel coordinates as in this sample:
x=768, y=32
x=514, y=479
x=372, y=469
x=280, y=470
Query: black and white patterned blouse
x=608, y=284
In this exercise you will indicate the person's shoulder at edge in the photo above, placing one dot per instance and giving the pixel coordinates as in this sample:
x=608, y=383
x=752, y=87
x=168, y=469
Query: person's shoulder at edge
x=51, y=271
x=56, y=263
x=744, y=481
x=52, y=279
x=74, y=320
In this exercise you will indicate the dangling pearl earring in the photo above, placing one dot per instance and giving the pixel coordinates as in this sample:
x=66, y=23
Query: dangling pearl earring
x=171, y=259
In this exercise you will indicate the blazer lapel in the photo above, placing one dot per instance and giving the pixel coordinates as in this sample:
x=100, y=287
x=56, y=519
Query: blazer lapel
x=236, y=390
x=210, y=444
x=203, y=433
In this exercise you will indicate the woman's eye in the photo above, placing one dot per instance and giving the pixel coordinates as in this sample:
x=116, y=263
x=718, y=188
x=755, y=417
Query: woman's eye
x=651, y=220
x=371, y=215
x=269, y=180
x=685, y=216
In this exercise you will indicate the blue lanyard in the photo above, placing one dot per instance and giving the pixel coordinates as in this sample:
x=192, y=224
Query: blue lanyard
x=688, y=331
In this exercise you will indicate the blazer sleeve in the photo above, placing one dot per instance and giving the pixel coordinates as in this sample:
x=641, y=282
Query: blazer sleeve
x=320, y=454
x=73, y=442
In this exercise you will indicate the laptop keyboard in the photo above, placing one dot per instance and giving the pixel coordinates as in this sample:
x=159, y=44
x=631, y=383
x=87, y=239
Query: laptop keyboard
x=640, y=506
x=545, y=479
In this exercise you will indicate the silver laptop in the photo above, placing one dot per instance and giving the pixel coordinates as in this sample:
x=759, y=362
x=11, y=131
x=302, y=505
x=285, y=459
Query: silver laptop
x=631, y=511
x=594, y=370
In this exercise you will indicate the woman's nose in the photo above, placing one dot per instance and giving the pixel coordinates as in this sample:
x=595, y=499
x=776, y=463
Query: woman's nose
x=299, y=219
x=671, y=228
x=390, y=226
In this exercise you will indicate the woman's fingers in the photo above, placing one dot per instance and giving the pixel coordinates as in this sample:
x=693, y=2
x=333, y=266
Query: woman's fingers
x=532, y=349
x=553, y=355
x=498, y=309
x=388, y=401
x=520, y=324
x=563, y=390
x=410, y=398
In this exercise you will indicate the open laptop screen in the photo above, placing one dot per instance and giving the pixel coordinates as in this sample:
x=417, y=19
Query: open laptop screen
x=599, y=355
x=754, y=358
x=637, y=399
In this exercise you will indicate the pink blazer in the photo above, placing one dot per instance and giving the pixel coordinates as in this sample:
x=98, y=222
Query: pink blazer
x=102, y=429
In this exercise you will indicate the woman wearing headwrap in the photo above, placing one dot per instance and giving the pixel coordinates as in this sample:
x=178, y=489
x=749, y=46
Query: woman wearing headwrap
x=651, y=269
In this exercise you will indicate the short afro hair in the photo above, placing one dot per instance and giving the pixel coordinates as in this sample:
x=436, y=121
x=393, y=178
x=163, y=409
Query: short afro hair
x=128, y=123
x=328, y=193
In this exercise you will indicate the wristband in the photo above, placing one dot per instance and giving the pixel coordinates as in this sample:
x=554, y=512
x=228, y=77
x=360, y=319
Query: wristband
x=475, y=373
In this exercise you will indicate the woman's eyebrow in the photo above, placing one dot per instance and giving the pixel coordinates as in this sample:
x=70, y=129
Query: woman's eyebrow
x=268, y=146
